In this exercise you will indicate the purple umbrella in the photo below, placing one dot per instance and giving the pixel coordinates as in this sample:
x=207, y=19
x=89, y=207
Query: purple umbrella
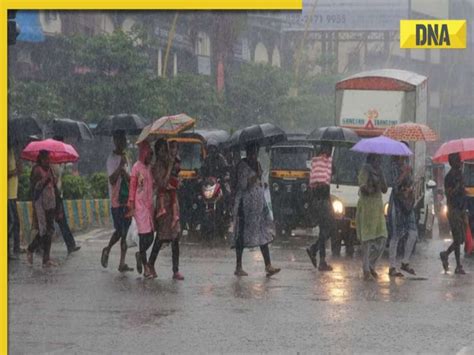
x=381, y=145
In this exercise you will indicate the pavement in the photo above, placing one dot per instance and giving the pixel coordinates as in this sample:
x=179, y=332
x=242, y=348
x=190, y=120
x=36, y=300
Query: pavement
x=81, y=308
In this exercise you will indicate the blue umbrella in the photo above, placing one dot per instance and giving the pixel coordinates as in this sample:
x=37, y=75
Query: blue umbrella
x=381, y=145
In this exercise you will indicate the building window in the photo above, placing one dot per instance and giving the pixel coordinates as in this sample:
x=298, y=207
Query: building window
x=203, y=44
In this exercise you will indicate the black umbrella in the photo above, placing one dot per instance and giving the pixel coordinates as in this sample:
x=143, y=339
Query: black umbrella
x=65, y=127
x=130, y=123
x=20, y=129
x=334, y=135
x=264, y=134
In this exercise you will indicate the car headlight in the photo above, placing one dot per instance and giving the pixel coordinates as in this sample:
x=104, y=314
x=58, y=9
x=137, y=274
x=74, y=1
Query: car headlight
x=275, y=187
x=385, y=210
x=445, y=210
x=304, y=187
x=338, y=207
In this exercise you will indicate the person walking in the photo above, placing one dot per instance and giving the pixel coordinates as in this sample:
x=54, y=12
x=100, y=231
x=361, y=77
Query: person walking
x=118, y=171
x=457, y=217
x=140, y=204
x=14, y=170
x=320, y=180
x=42, y=183
x=60, y=216
x=251, y=214
x=168, y=231
x=370, y=219
x=401, y=216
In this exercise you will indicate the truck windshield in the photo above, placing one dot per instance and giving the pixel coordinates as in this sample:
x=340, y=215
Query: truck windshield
x=290, y=158
x=347, y=164
x=190, y=154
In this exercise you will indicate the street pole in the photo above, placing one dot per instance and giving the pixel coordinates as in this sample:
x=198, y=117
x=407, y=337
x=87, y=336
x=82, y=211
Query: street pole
x=168, y=46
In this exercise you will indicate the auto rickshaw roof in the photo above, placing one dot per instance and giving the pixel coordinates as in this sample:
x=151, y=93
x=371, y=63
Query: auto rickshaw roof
x=219, y=136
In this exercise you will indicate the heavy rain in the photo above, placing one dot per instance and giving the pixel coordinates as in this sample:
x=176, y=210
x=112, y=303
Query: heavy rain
x=240, y=182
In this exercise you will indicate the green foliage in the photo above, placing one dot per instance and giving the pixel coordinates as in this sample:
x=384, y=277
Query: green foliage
x=74, y=187
x=98, y=183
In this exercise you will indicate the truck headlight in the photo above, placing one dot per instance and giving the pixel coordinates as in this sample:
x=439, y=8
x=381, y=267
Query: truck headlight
x=338, y=207
x=275, y=187
x=304, y=187
x=385, y=209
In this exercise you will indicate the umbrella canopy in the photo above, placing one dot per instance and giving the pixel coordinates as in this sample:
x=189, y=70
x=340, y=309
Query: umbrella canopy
x=411, y=132
x=381, y=145
x=334, y=135
x=167, y=125
x=65, y=127
x=264, y=134
x=130, y=123
x=22, y=128
x=464, y=146
x=59, y=152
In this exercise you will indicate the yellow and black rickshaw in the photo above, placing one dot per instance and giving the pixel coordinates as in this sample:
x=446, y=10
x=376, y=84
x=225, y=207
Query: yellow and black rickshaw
x=290, y=164
x=193, y=151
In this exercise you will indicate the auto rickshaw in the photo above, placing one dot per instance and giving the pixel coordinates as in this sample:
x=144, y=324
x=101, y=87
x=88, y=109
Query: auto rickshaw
x=290, y=164
x=193, y=151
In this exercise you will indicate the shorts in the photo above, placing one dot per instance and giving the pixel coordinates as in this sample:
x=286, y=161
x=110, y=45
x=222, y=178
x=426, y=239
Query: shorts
x=121, y=223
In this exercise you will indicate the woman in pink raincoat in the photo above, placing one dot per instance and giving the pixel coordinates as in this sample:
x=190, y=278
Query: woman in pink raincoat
x=140, y=203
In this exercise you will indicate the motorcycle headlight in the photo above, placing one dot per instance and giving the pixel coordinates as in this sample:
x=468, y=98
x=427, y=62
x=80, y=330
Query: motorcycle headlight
x=385, y=210
x=275, y=187
x=304, y=187
x=338, y=207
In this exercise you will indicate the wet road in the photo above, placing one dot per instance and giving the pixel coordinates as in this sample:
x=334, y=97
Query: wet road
x=80, y=307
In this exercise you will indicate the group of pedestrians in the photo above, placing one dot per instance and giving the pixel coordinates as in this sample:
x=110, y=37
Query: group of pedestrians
x=46, y=195
x=148, y=193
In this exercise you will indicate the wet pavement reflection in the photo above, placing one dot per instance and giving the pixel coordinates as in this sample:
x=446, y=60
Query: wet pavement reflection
x=80, y=307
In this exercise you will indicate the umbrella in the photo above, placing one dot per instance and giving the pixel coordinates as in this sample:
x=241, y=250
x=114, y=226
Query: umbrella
x=234, y=139
x=463, y=146
x=65, y=127
x=21, y=128
x=59, y=152
x=334, y=134
x=130, y=123
x=264, y=134
x=167, y=125
x=411, y=132
x=381, y=145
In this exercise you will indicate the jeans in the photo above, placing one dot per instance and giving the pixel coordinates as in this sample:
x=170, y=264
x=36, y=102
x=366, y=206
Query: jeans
x=65, y=231
x=325, y=220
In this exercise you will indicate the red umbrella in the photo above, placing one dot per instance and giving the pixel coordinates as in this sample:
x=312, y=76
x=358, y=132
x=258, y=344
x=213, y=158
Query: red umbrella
x=463, y=146
x=59, y=152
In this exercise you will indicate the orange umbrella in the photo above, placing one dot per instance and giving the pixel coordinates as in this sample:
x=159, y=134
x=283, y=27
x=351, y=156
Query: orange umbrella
x=167, y=125
x=411, y=132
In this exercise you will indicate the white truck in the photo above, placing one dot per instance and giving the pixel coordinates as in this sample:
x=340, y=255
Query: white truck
x=369, y=102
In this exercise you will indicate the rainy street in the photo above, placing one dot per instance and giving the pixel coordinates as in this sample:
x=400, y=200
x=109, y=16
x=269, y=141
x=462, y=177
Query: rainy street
x=80, y=307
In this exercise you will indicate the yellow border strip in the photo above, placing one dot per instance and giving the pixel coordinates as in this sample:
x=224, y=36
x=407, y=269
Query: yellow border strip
x=154, y=5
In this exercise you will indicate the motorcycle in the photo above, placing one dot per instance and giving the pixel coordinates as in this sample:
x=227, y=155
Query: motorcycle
x=216, y=217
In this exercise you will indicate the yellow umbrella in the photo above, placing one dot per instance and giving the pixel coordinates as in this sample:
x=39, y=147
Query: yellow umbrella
x=167, y=126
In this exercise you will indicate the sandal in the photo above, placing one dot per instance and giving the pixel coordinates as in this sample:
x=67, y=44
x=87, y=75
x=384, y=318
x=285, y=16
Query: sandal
x=460, y=270
x=324, y=266
x=104, y=260
x=240, y=272
x=272, y=270
x=394, y=273
x=124, y=268
x=50, y=263
x=153, y=274
x=407, y=268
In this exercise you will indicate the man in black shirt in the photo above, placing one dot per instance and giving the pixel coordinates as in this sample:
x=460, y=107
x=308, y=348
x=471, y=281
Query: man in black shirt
x=456, y=201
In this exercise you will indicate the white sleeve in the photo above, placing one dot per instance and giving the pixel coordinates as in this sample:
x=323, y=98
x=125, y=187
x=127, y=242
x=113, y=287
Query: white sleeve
x=112, y=164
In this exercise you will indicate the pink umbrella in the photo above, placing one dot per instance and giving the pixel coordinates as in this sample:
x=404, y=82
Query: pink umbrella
x=463, y=146
x=59, y=152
